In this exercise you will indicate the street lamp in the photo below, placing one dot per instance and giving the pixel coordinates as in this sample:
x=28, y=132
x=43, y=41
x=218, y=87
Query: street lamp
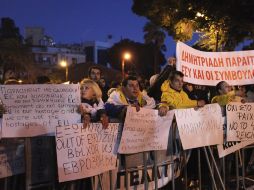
x=63, y=63
x=126, y=56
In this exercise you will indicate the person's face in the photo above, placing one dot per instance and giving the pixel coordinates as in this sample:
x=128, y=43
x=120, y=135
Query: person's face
x=172, y=61
x=87, y=92
x=177, y=83
x=189, y=87
x=95, y=74
x=132, y=89
x=225, y=88
x=242, y=89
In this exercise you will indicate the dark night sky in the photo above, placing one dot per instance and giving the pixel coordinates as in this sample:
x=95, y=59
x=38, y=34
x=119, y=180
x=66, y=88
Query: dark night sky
x=70, y=21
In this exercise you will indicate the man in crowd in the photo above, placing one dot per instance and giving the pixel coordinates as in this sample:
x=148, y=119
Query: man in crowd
x=128, y=94
x=95, y=74
x=174, y=97
x=155, y=89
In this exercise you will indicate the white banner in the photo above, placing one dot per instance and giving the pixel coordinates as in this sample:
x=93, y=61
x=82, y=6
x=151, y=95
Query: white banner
x=37, y=109
x=145, y=130
x=209, y=68
x=201, y=127
x=240, y=122
x=85, y=152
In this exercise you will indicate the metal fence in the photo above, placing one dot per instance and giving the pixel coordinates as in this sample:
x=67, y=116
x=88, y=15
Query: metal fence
x=170, y=169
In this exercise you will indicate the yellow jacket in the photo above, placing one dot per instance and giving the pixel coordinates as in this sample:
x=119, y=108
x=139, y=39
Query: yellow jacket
x=175, y=99
x=225, y=99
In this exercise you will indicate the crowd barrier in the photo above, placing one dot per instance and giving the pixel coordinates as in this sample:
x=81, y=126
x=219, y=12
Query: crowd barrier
x=146, y=170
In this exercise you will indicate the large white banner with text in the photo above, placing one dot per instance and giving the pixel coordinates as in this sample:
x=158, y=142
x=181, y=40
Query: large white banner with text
x=209, y=68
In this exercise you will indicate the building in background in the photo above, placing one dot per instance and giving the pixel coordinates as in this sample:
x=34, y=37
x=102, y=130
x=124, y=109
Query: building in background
x=97, y=52
x=35, y=36
x=50, y=57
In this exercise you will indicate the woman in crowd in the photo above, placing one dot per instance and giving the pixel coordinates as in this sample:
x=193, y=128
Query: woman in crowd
x=227, y=95
x=92, y=106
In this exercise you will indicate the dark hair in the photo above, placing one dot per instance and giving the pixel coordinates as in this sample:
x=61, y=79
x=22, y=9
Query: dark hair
x=173, y=74
x=218, y=86
x=43, y=80
x=93, y=67
x=125, y=80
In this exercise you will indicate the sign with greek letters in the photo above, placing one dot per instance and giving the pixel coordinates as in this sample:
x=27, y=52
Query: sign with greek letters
x=37, y=109
x=85, y=152
x=145, y=130
x=240, y=121
x=201, y=127
x=209, y=68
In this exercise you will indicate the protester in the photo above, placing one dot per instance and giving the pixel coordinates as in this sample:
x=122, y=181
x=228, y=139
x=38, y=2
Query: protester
x=155, y=89
x=104, y=88
x=128, y=94
x=95, y=74
x=226, y=94
x=92, y=107
x=174, y=97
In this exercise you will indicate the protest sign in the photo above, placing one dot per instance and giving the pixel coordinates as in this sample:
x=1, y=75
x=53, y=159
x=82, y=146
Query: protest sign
x=145, y=130
x=12, y=160
x=37, y=109
x=85, y=152
x=230, y=147
x=209, y=68
x=240, y=121
x=201, y=127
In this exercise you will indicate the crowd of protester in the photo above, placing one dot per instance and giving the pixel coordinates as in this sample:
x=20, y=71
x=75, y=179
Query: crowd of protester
x=107, y=101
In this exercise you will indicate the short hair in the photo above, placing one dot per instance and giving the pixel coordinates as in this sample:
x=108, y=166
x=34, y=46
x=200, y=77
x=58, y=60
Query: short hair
x=173, y=74
x=94, y=86
x=125, y=80
x=93, y=67
x=218, y=86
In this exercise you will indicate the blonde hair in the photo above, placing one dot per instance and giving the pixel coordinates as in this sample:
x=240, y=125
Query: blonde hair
x=94, y=86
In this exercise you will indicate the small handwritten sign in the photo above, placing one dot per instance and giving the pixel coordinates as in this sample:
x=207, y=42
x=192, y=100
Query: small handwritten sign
x=37, y=109
x=240, y=122
x=85, y=152
x=202, y=127
x=145, y=131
